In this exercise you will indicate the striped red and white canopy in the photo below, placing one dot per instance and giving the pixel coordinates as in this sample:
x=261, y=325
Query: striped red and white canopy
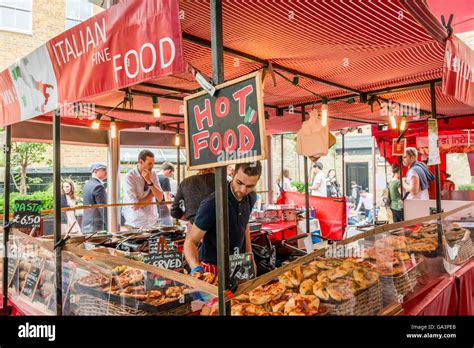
x=355, y=46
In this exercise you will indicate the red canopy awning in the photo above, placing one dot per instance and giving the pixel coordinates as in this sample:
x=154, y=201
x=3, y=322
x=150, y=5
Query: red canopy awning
x=338, y=49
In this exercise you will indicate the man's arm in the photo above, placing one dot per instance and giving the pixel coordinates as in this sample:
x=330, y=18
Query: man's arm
x=191, y=243
x=359, y=205
x=151, y=177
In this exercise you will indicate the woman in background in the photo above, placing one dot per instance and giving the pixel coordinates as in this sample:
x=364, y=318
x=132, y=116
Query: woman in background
x=68, y=193
x=332, y=184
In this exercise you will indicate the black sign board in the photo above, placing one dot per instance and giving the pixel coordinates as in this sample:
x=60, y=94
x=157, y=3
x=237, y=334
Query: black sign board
x=32, y=277
x=169, y=260
x=27, y=214
x=247, y=270
x=67, y=277
x=228, y=127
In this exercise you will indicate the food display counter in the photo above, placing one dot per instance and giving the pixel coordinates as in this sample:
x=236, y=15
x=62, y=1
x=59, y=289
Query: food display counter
x=390, y=270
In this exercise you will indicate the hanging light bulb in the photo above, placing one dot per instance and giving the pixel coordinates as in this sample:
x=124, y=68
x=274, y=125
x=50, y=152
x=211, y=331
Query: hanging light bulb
x=324, y=113
x=96, y=124
x=393, y=121
x=176, y=139
x=156, y=107
x=113, y=129
x=403, y=124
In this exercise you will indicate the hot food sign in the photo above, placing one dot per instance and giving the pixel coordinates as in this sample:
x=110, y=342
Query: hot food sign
x=228, y=127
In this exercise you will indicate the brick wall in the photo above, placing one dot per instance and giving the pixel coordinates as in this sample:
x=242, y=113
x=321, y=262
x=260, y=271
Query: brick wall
x=49, y=20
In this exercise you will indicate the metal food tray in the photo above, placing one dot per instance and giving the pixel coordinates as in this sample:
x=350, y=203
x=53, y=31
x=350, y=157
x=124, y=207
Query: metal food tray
x=135, y=304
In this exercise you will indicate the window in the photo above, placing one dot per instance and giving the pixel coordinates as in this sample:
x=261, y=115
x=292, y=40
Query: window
x=77, y=11
x=15, y=15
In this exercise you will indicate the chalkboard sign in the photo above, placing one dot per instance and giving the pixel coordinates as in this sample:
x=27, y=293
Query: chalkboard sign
x=68, y=276
x=247, y=270
x=228, y=127
x=169, y=260
x=32, y=277
x=27, y=214
x=158, y=244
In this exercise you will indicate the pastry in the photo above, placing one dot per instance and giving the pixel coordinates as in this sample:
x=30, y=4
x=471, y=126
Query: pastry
x=302, y=305
x=319, y=289
x=306, y=287
x=245, y=309
x=266, y=293
x=309, y=271
x=295, y=276
x=283, y=279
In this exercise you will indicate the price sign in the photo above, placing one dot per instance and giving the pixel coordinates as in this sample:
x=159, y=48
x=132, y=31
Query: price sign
x=247, y=270
x=27, y=214
x=169, y=260
x=398, y=148
x=32, y=278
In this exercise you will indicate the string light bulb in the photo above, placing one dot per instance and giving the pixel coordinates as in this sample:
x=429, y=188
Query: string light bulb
x=324, y=112
x=403, y=124
x=156, y=107
x=113, y=129
x=176, y=139
x=96, y=124
x=391, y=116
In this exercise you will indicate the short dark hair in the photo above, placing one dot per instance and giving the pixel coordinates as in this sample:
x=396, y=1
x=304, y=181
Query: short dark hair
x=144, y=154
x=250, y=169
x=395, y=168
x=167, y=166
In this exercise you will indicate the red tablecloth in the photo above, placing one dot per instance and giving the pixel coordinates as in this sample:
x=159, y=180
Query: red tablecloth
x=281, y=230
x=443, y=294
x=465, y=287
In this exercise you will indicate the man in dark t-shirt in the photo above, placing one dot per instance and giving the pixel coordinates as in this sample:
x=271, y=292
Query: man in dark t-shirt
x=191, y=192
x=241, y=198
x=166, y=172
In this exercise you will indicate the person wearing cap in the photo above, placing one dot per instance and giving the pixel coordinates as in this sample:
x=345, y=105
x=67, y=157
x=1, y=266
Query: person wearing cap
x=142, y=185
x=95, y=219
x=319, y=183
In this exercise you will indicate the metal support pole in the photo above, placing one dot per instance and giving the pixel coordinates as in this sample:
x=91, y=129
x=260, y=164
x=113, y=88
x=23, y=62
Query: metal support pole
x=437, y=174
x=374, y=181
x=343, y=167
x=178, y=156
x=222, y=216
x=306, y=186
x=282, y=161
x=269, y=171
x=113, y=180
x=6, y=310
x=400, y=164
x=57, y=208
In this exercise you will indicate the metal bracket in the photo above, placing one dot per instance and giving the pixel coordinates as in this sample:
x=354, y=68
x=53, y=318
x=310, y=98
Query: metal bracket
x=448, y=26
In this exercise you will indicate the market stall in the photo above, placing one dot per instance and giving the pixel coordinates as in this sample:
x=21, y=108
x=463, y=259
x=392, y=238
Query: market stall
x=139, y=86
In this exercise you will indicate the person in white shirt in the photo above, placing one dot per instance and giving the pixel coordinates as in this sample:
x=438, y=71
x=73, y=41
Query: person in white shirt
x=142, y=185
x=286, y=182
x=418, y=176
x=319, y=183
x=367, y=200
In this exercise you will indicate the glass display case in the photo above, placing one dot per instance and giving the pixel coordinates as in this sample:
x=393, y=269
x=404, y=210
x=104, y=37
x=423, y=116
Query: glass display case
x=377, y=272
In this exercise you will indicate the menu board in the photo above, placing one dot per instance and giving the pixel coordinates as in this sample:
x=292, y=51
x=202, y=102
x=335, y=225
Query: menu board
x=67, y=278
x=32, y=278
x=27, y=214
x=169, y=260
x=247, y=270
